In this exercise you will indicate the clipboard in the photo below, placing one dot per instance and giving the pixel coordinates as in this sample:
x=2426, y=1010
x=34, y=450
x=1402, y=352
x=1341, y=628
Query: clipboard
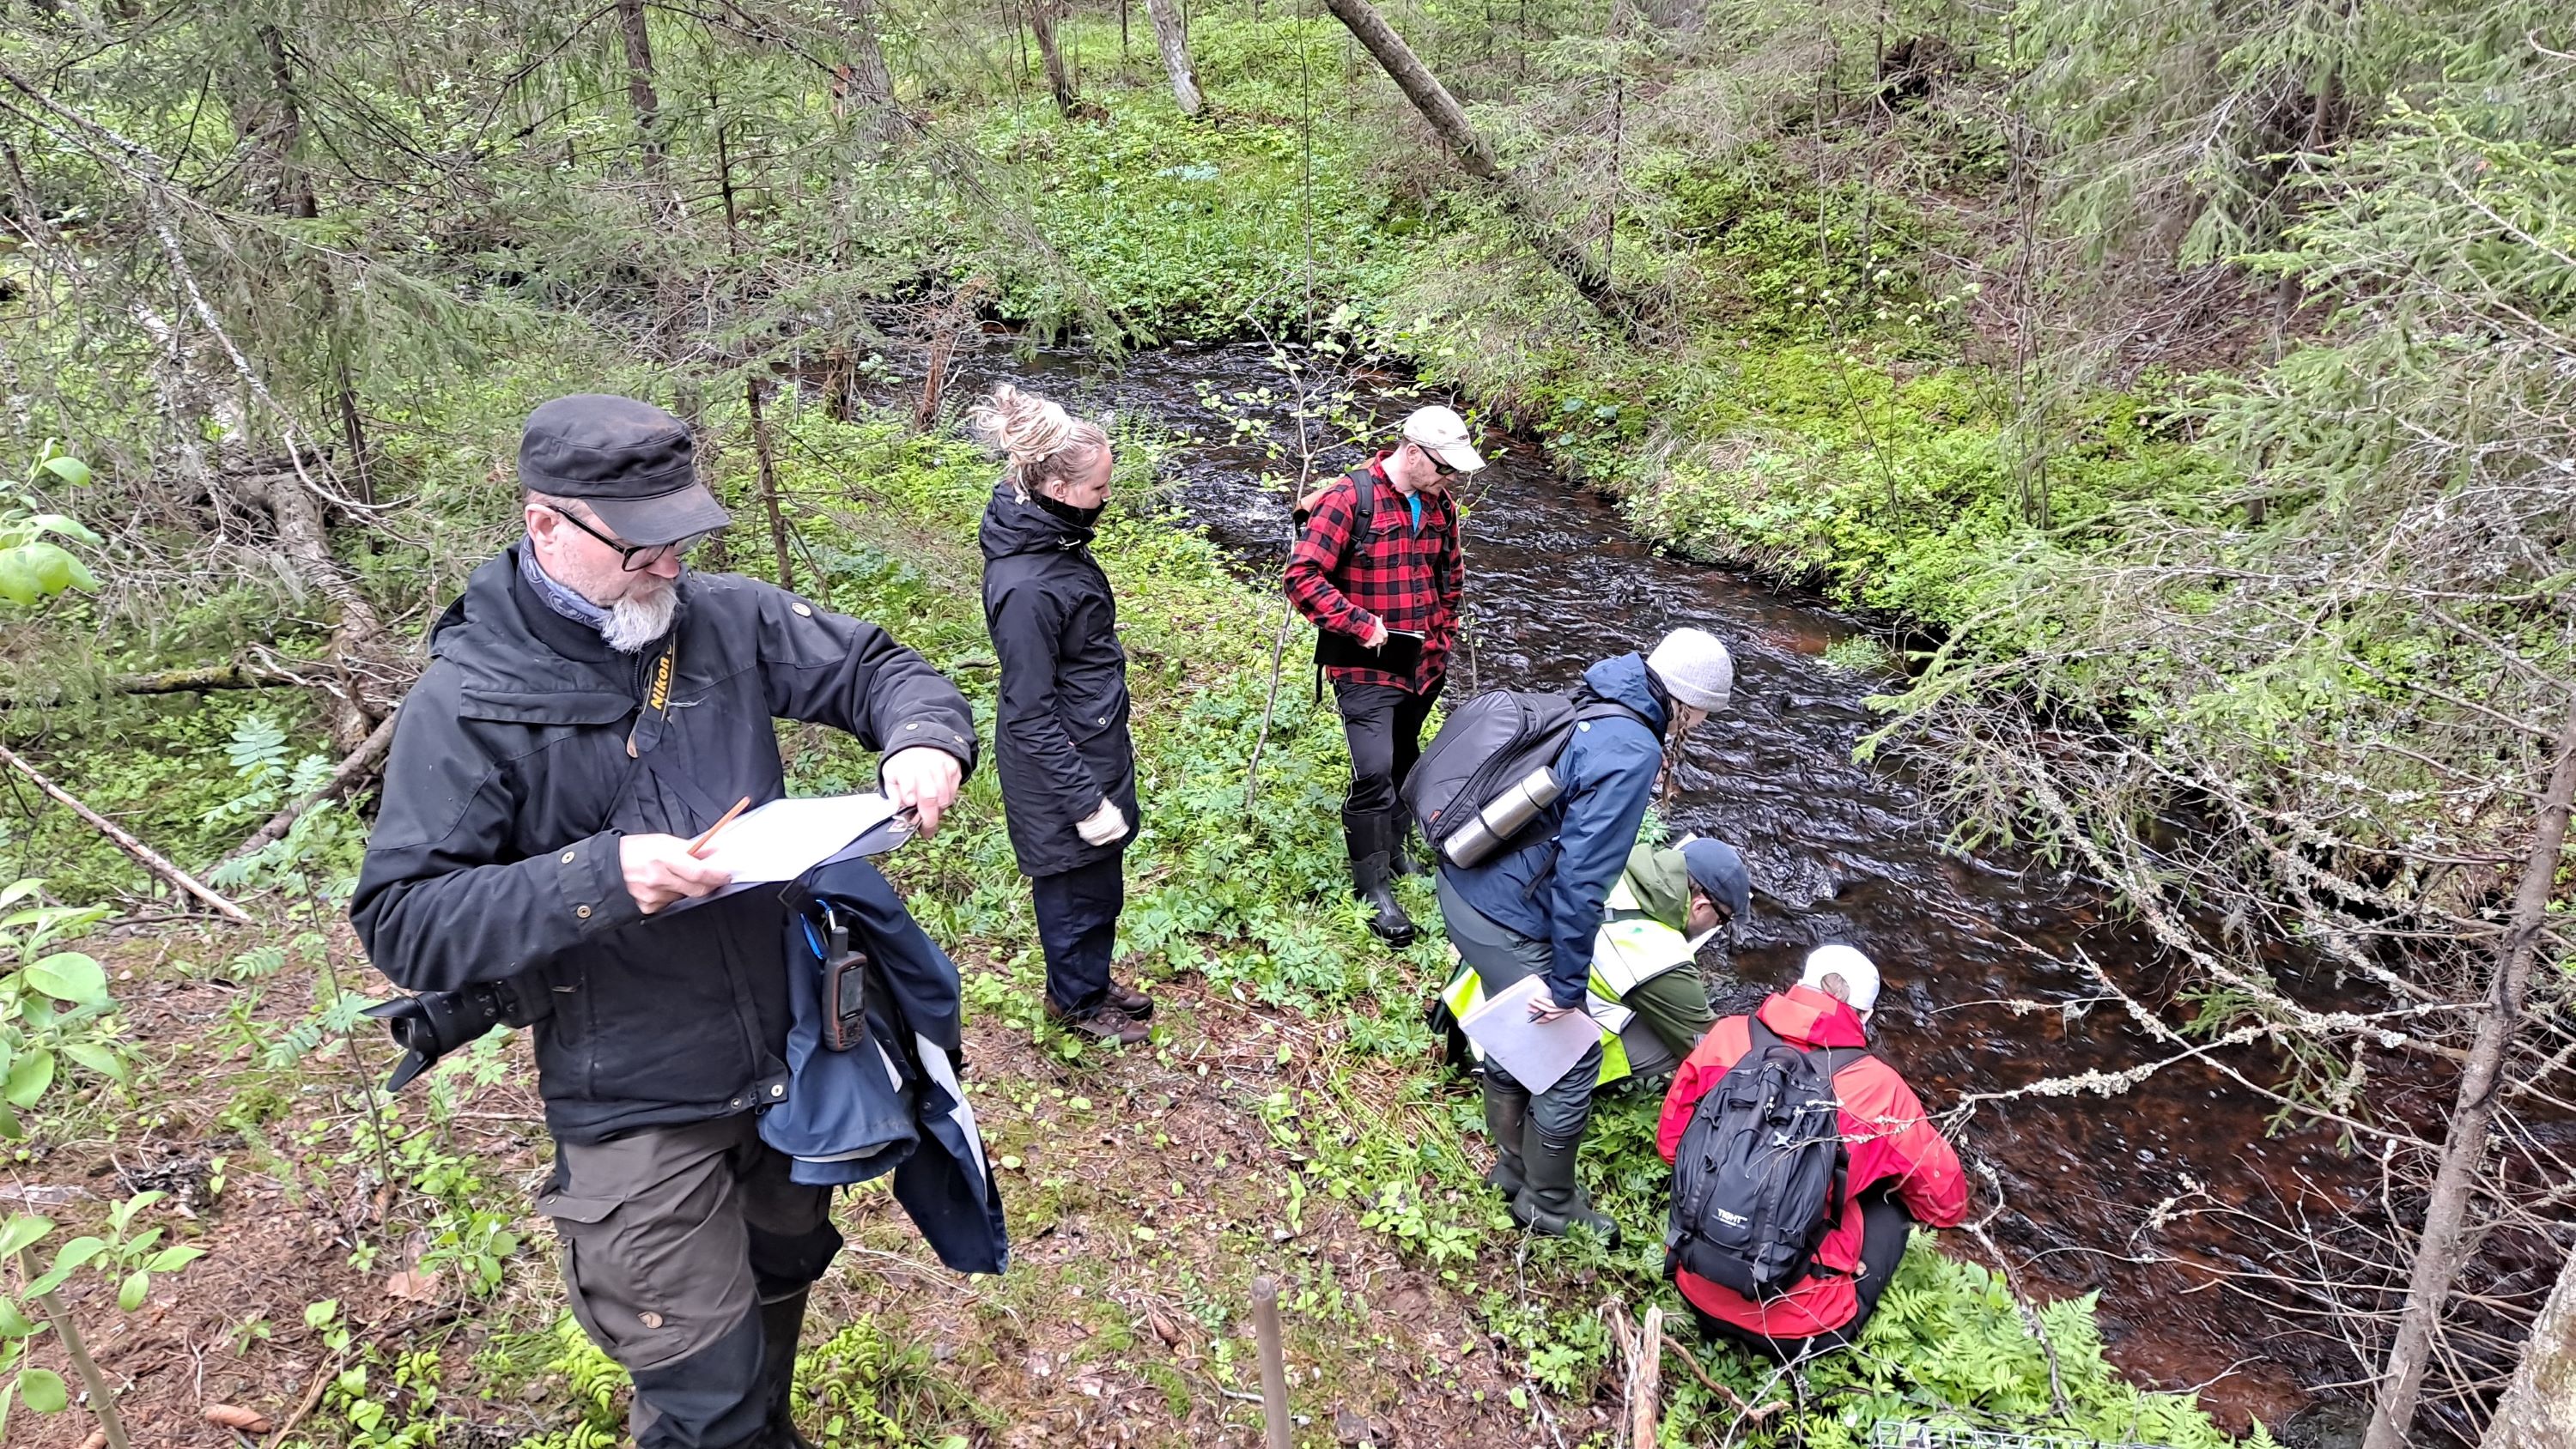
x=1400, y=654
x=803, y=834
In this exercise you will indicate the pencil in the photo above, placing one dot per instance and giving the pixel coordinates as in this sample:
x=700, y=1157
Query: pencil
x=698, y=847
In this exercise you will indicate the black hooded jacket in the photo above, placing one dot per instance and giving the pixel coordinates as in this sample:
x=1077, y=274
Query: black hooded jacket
x=529, y=746
x=1060, y=741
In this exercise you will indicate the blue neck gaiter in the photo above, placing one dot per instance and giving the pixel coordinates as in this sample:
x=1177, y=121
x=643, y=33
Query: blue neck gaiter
x=557, y=597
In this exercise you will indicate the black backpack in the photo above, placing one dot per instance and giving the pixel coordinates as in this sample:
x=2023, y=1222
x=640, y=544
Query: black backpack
x=1758, y=1181
x=1488, y=745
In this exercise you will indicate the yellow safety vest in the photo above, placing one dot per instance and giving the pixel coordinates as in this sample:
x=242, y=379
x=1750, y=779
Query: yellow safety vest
x=1630, y=949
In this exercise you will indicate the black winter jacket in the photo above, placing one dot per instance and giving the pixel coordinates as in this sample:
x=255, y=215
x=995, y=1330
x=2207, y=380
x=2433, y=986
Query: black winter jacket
x=1060, y=730
x=529, y=746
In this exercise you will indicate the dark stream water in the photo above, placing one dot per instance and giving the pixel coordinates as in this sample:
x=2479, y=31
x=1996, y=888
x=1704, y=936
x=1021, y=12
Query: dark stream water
x=1844, y=851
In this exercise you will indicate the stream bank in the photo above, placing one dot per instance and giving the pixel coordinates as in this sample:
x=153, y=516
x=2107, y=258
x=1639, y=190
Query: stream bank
x=2155, y=1198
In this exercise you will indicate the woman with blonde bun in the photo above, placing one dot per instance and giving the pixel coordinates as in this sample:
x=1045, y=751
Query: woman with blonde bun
x=1060, y=744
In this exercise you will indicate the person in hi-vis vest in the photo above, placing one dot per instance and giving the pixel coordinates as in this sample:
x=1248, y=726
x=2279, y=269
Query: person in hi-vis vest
x=1649, y=999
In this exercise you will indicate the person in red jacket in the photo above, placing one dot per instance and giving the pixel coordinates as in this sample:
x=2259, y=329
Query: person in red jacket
x=1901, y=1173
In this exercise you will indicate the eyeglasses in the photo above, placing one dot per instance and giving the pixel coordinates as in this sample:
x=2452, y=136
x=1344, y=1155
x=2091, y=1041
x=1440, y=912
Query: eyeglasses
x=634, y=557
x=1439, y=466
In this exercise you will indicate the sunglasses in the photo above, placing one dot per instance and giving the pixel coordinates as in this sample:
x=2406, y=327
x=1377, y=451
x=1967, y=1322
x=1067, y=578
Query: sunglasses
x=635, y=557
x=1439, y=466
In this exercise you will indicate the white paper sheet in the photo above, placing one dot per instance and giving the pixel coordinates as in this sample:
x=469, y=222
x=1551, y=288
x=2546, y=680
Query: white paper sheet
x=1535, y=1053
x=786, y=838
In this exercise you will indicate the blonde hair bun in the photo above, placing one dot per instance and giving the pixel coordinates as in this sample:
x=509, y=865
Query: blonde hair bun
x=1030, y=432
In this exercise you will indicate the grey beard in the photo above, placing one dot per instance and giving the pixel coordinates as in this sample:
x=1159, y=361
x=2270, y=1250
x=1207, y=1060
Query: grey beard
x=634, y=623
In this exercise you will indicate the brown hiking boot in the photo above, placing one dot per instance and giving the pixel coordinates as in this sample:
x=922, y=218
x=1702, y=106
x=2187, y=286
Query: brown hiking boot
x=1104, y=1023
x=1130, y=1001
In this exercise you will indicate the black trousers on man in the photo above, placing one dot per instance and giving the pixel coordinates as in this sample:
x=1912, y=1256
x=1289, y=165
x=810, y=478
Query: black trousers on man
x=1383, y=724
x=1078, y=929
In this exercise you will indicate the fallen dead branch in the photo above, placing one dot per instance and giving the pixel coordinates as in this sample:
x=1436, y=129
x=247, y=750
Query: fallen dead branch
x=150, y=859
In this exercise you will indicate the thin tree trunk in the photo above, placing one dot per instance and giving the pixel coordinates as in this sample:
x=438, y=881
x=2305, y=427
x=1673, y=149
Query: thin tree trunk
x=767, y=458
x=640, y=94
x=2539, y=1409
x=1059, y=83
x=1174, y=43
x=1448, y=121
x=870, y=82
x=2439, y=1251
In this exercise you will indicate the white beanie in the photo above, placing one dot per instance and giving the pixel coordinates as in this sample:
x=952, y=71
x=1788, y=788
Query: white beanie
x=1859, y=974
x=1695, y=669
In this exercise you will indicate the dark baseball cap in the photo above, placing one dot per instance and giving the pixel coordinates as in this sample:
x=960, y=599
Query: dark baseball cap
x=633, y=463
x=1718, y=870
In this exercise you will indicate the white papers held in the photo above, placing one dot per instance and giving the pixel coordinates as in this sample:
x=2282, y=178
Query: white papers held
x=786, y=838
x=1536, y=1053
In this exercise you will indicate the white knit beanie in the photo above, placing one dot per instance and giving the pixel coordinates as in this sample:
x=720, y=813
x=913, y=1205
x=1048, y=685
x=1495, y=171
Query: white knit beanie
x=1695, y=669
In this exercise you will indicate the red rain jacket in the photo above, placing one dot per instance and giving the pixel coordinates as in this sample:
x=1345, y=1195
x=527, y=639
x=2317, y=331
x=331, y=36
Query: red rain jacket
x=1884, y=1128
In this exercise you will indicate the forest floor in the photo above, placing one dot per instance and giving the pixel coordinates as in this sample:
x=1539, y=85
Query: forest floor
x=1145, y=1190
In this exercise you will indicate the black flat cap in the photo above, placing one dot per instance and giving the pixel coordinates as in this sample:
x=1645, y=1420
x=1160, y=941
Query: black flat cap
x=630, y=461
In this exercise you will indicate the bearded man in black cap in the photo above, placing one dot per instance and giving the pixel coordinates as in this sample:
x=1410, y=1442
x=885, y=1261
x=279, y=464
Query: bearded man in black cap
x=589, y=706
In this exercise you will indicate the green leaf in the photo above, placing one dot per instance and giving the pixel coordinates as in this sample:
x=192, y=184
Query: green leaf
x=71, y=470
x=70, y=976
x=68, y=527
x=23, y=1231
x=18, y=576
x=10, y=1127
x=318, y=1314
x=14, y=1322
x=53, y=567
x=29, y=1076
x=43, y=1390
x=67, y=1262
x=171, y=1260
x=99, y=1059
x=129, y=1296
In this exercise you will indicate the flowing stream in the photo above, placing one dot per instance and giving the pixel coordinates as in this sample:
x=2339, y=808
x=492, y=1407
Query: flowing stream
x=2158, y=1197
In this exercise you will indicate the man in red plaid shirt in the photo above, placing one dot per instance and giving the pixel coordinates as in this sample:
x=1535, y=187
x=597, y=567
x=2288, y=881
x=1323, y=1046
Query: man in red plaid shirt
x=1404, y=576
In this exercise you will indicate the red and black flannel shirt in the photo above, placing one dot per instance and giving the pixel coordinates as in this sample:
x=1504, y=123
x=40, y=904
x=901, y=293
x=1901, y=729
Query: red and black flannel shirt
x=1410, y=579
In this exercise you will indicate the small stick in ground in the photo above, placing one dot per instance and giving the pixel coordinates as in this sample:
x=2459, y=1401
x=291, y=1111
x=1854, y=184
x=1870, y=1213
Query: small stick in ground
x=1274, y=1362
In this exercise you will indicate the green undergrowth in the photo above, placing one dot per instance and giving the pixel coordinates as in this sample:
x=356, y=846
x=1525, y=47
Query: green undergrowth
x=1254, y=902
x=1247, y=897
x=1806, y=408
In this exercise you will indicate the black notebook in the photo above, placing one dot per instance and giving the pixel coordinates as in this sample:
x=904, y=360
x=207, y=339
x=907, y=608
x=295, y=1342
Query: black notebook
x=1400, y=653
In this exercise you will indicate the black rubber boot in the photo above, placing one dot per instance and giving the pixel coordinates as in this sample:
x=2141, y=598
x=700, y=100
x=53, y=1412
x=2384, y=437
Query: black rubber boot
x=1367, y=838
x=781, y=1324
x=1401, y=841
x=1506, y=1115
x=1550, y=1202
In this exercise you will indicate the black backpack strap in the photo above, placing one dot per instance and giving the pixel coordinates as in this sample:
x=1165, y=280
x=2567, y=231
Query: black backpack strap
x=1363, y=517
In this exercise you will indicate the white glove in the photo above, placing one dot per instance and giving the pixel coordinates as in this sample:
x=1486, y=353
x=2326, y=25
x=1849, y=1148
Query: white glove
x=1107, y=825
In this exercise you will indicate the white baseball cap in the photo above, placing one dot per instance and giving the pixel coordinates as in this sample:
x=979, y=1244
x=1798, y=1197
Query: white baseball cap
x=1859, y=974
x=1443, y=433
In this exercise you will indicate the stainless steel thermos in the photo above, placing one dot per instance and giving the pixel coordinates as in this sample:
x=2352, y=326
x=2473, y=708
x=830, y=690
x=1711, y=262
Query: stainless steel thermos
x=1503, y=818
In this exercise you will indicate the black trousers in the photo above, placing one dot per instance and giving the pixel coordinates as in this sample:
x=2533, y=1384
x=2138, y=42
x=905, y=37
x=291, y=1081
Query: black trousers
x=1384, y=726
x=1078, y=929
x=1885, y=1226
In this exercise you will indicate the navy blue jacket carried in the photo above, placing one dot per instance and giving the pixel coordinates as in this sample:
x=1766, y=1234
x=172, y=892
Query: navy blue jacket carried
x=891, y=1102
x=1060, y=743
x=1553, y=888
x=529, y=747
